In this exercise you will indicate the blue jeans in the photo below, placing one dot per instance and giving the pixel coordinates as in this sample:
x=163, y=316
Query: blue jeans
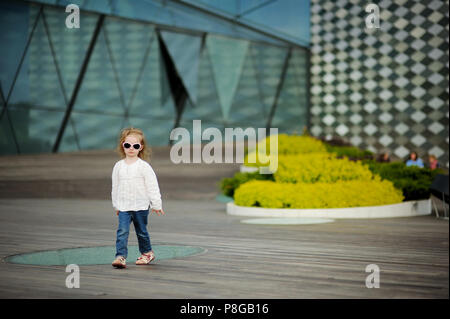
x=140, y=220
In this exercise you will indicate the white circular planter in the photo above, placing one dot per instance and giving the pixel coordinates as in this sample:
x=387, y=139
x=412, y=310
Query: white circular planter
x=286, y=221
x=404, y=209
x=248, y=169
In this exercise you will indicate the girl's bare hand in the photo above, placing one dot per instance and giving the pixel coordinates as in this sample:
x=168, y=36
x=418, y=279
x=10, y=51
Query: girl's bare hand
x=117, y=212
x=158, y=212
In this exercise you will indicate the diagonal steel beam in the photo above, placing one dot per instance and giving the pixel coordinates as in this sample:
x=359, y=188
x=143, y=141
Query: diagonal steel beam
x=55, y=59
x=21, y=61
x=179, y=92
x=114, y=68
x=80, y=78
x=241, y=23
x=2, y=96
x=280, y=86
x=141, y=71
x=58, y=72
x=258, y=6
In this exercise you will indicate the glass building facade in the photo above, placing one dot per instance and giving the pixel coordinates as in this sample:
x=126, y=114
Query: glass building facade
x=151, y=64
x=382, y=89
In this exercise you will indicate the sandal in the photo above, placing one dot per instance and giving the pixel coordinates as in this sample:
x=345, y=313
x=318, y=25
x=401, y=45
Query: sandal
x=145, y=259
x=119, y=262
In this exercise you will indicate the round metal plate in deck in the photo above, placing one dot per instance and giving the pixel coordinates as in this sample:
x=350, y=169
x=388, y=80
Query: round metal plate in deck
x=98, y=255
x=286, y=221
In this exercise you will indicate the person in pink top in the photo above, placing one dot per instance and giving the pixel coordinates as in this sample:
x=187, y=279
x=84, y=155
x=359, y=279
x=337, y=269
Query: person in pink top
x=433, y=162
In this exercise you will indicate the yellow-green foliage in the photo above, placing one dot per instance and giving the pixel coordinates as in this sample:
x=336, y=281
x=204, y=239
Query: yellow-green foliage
x=310, y=177
x=319, y=167
x=341, y=194
x=297, y=144
x=287, y=144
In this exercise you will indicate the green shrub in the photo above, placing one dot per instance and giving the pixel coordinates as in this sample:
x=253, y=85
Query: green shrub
x=304, y=159
x=319, y=167
x=412, y=180
x=353, y=153
x=304, y=144
x=355, y=193
x=230, y=184
x=287, y=144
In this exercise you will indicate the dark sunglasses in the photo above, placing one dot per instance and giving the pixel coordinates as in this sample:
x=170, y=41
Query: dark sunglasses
x=135, y=146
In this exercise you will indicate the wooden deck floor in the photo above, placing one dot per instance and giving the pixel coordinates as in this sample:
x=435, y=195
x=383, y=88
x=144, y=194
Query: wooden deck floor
x=241, y=261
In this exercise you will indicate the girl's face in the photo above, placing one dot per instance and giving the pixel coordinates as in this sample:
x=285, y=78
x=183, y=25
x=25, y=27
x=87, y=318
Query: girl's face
x=131, y=151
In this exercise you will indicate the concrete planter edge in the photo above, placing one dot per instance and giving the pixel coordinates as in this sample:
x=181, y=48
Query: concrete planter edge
x=404, y=209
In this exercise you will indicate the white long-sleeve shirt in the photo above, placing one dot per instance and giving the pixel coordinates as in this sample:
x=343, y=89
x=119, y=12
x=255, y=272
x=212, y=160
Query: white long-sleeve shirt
x=135, y=187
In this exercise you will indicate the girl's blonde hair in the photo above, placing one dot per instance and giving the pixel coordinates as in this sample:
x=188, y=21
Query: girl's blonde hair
x=144, y=153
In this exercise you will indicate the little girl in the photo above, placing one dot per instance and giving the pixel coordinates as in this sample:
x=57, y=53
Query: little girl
x=134, y=189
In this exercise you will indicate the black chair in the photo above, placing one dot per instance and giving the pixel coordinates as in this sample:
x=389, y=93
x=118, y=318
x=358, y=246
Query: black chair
x=439, y=188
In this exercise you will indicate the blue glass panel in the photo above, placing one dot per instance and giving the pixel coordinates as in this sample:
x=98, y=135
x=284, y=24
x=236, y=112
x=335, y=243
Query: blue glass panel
x=149, y=111
x=185, y=52
x=35, y=129
x=247, y=109
x=97, y=131
x=100, y=91
x=179, y=15
x=144, y=10
x=196, y=137
x=208, y=106
x=54, y=2
x=230, y=6
x=291, y=112
x=102, y=6
x=128, y=60
x=227, y=58
x=166, y=92
x=16, y=20
x=146, y=96
x=268, y=61
x=170, y=13
x=44, y=86
x=69, y=142
x=190, y=18
x=251, y=5
x=291, y=21
x=7, y=145
x=292, y=17
x=70, y=45
x=157, y=132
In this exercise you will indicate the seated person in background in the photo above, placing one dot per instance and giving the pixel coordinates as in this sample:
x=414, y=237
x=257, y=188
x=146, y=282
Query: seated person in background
x=384, y=158
x=414, y=160
x=433, y=162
